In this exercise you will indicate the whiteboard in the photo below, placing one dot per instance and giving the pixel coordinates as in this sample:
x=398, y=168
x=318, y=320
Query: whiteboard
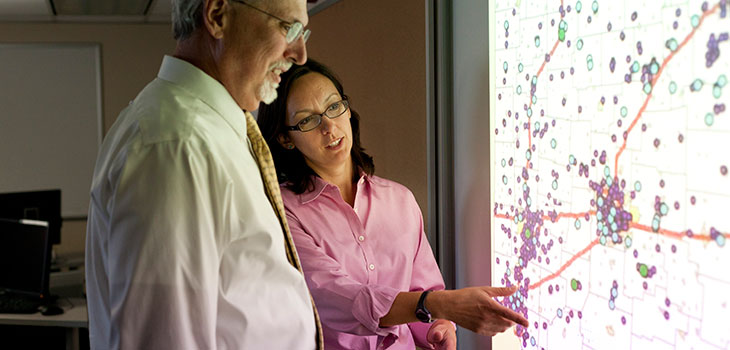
x=50, y=120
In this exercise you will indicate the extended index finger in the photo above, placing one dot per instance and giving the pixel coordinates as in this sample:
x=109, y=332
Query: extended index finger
x=509, y=314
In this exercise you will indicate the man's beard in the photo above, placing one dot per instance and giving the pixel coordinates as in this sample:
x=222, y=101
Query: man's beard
x=267, y=90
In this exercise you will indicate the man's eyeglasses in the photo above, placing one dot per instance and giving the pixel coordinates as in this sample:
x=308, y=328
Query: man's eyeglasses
x=293, y=30
x=312, y=122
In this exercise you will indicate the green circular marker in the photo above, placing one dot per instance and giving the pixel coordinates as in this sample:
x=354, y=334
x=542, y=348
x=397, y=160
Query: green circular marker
x=624, y=111
x=672, y=87
x=561, y=34
x=528, y=233
x=574, y=284
x=709, y=119
x=643, y=270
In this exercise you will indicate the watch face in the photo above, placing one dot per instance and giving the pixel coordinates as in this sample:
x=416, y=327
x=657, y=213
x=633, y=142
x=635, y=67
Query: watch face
x=423, y=316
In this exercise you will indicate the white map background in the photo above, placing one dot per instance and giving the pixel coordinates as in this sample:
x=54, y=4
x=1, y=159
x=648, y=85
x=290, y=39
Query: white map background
x=578, y=147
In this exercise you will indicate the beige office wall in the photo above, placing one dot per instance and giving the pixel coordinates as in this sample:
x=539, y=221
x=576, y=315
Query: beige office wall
x=378, y=49
x=130, y=56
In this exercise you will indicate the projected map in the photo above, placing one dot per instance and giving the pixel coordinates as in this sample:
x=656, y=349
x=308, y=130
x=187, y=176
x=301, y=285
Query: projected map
x=610, y=147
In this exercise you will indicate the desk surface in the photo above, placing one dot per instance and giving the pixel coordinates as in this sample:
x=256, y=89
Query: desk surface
x=75, y=316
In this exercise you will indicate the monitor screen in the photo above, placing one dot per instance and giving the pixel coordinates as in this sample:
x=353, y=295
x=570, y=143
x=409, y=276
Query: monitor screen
x=24, y=257
x=34, y=205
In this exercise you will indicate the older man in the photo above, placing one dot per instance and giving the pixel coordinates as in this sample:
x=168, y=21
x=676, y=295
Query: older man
x=185, y=247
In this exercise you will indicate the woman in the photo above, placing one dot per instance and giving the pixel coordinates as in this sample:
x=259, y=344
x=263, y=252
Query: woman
x=360, y=237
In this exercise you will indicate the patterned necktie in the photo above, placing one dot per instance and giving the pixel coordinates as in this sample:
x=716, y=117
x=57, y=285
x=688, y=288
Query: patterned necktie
x=271, y=184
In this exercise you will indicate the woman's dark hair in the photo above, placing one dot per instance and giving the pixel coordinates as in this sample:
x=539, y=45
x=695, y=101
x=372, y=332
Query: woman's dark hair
x=290, y=164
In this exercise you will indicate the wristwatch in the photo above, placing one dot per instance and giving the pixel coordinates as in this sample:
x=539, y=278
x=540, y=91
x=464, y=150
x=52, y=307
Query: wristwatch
x=422, y=313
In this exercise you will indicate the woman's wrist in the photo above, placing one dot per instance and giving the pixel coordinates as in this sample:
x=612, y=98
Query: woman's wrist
x=435, y=304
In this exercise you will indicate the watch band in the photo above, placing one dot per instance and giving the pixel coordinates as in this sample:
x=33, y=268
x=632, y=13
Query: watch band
x=422, y=312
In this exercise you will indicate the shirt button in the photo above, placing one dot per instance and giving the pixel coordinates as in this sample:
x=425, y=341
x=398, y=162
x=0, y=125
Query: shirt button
x=361, y=238
x=372, y=267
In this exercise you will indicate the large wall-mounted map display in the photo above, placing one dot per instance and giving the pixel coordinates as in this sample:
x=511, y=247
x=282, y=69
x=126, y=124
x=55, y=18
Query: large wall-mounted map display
x=610, y=192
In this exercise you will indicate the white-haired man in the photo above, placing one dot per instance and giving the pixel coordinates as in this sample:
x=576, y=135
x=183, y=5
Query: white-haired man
x=185, y=246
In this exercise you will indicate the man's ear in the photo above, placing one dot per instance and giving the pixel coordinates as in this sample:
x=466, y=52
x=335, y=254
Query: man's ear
x=285, y=141
x=215, y=16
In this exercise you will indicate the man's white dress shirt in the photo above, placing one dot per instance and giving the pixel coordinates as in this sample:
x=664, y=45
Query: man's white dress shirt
x=183, y=249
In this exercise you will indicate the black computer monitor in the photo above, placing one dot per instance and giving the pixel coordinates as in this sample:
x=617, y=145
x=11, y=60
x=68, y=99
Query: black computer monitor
x=25, y=257
x=34, y=205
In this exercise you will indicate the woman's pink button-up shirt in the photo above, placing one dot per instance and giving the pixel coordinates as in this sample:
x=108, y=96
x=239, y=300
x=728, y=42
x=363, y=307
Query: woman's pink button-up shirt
x=357, y=259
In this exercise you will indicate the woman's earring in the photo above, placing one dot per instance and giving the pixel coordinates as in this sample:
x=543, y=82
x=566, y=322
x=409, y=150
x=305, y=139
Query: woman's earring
x=290, y=146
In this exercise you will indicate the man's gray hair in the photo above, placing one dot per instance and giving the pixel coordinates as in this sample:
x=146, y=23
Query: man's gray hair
x=187, y=15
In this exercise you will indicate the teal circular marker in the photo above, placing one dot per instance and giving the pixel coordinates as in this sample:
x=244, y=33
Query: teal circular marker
x=504, y=66
x=578, y=6
x=529, y=201
x=709, y=119
x=697, y=85
x=672, y=44
x=637, y=186
x=504, y=163
x=534, y=79
x=655, y=224
x=571, y=159
x=590, y=65
x=672, y=87
x=534, y=99
x=504, y=179
x=537, y=126
x=506, y=25
x=624, y=111
x=579, y=44
x=654, y=68
x=528, y=154
x=529, y=112
x=635, y=67
x=555, y=184
x=553, y=143
x=695, y=20
x=663, y=209
x=577, y=224
x=647, y=88
x=519, y=89
x=722, y=80
x=603, y=240
x=716, y=91
x=537, y=41
x=599, y=201
x=520, y=67
x=595, y=6
x=607, y=171
x=524, y=188
x=628, y=242
x=720, y=240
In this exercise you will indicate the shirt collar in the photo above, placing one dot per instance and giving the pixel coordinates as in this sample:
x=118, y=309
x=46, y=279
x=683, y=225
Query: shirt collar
x=320, y=185
x=205, y=88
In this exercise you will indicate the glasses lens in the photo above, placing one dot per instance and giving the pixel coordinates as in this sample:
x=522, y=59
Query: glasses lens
x=306, y=35
x=336, y=109
x=294, y=31
x=310, y=123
